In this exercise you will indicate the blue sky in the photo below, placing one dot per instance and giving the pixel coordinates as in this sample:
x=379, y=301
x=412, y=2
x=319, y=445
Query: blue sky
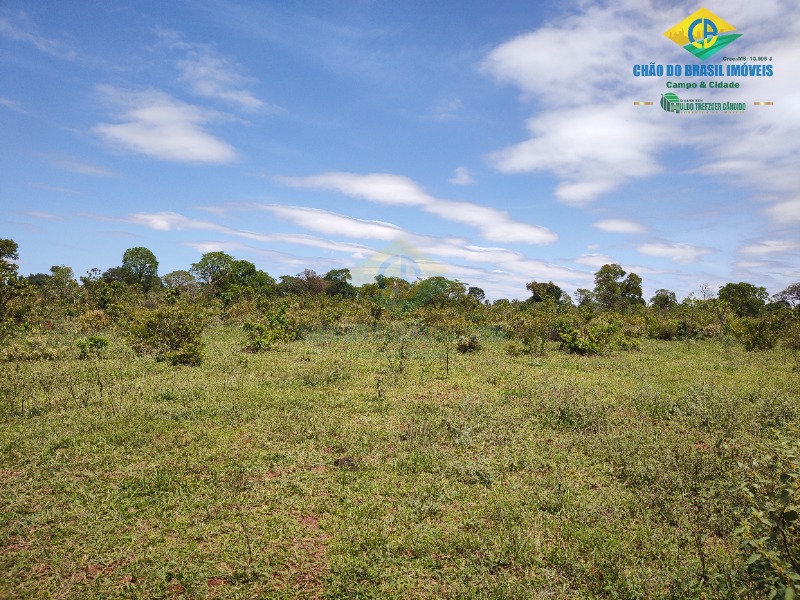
x=494, y=143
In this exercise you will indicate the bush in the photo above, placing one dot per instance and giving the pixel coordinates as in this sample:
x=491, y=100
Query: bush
x=468, y=343
x=30, y=348
x=273, y=328
x=94, y=320
x=598, y=336
x=770, y=530
x=91, y=345
x=170, y=333
x=759, y=334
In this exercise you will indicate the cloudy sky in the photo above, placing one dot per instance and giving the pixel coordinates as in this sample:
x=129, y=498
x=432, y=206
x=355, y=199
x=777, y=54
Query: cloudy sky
x=494, y=143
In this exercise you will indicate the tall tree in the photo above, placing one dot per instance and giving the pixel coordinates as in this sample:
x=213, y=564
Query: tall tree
x=339, y=283
x=790, y=295
x=11, y=284
x=477, y=293
x=745, y=299
x=664, y=299
x=214, y=269
x=613, y=292
x=540, y=292
x=140, y=267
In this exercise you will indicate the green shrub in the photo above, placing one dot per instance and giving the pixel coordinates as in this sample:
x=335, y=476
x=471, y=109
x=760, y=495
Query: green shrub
x=596, y=337
x=94, y=320
x=272, y=329
x=30, y=348
x=91, y=345
x=759, y=334
x=170, y=333
x=769, y=532
x=468, y=343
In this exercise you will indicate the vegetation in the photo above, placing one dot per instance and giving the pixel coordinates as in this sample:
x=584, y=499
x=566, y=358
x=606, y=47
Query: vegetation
x=218, y=433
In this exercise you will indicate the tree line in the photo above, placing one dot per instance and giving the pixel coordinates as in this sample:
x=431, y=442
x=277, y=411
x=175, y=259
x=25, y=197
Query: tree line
x=613, y=314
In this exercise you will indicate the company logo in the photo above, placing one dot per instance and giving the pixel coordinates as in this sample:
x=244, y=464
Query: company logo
x=670, y=102
x=702, y=33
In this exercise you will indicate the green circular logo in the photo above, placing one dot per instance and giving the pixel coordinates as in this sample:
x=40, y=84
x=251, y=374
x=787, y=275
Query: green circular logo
x=669, y=102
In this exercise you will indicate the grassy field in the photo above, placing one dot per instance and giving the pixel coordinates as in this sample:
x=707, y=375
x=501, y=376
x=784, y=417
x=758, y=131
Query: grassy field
x=382, y=465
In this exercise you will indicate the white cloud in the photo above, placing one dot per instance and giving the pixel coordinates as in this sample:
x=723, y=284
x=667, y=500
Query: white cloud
x=785, y=212
x=18, y=29
x=211, y=75
x=461, y=176
x=594, y=260
x=591, y=149
x=13, y=105
x=587, y=133
x=171, y=221
x=751, y=264
x=40, y=214
x=679, y=253
x=447, y=110
x=335, y=224
x=76, y=166
x=494, y=225
x=619, y=226
x=769, y=247
x=376, y=187
x=157, y=125
x=444, y=247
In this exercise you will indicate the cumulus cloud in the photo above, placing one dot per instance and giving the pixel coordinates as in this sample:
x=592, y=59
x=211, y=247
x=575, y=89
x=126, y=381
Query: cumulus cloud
x=493, y=225
x=157, y=125
x=586, y=132
x=679, y=253
x=619, y=226
x=592, y=151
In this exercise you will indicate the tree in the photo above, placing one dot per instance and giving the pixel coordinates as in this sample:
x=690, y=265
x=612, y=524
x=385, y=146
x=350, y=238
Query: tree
x=613, y=292
x=477, y=293
x=113, y=274
x=11, y=284
x=791, y=295
x=214, y=269
x=290, y=286
x=339, y=283
x=584, y=297
x=664, y=299
x=541, y=292
x=435, y=291
x=745, y=299
x=140, y=266
x=180, y=280
x=247, y=276
x=61, y=287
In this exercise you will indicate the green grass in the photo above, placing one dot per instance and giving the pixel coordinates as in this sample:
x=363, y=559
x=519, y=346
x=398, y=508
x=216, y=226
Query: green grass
x=554, y=476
